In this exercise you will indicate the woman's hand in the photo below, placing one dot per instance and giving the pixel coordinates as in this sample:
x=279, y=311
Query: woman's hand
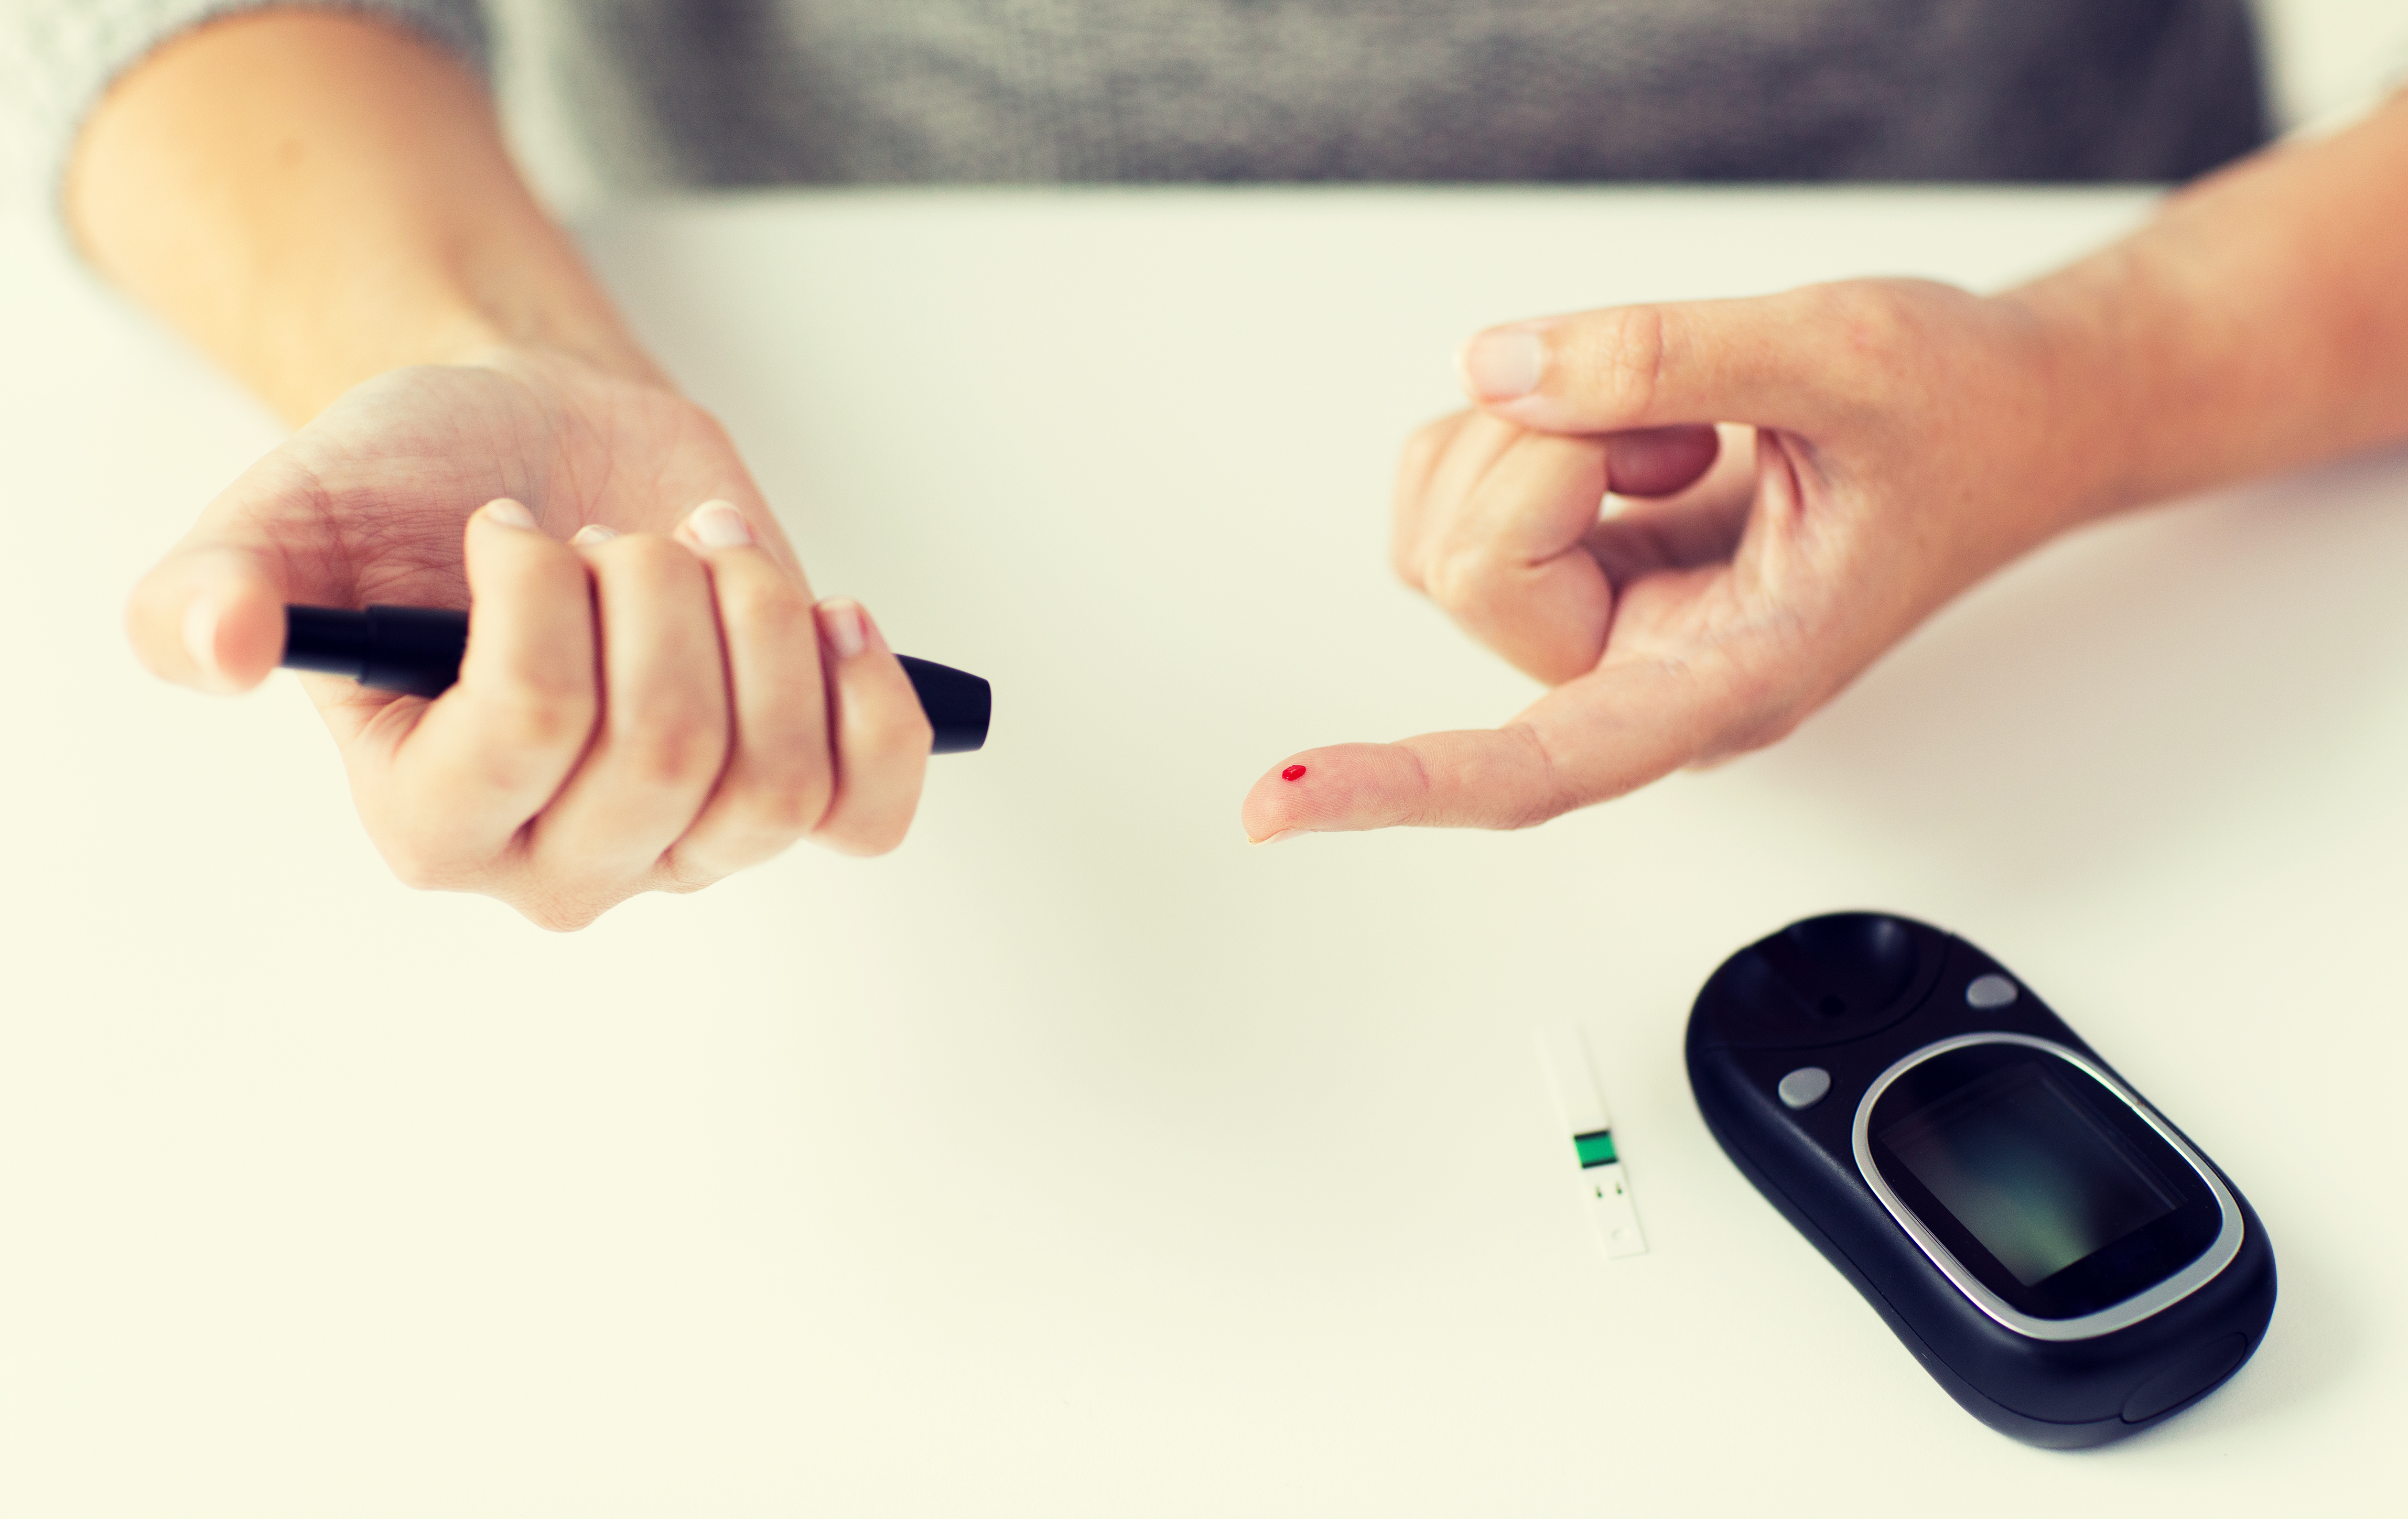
x=1907, y=439
x=322, y=200
x=649, y=699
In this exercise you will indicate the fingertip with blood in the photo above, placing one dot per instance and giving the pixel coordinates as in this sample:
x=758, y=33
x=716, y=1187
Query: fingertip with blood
x=1319, y=790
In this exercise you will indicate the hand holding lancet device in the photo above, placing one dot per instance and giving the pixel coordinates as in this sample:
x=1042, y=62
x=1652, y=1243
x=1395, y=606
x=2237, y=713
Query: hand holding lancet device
x=417, y=649
x=2053, y=1251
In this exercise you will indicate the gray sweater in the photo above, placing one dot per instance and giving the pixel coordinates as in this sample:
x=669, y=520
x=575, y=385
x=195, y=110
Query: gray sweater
x=617, y=96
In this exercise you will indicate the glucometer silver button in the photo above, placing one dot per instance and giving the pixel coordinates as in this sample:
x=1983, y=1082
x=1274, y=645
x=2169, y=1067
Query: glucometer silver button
x=1804, y=1087
x=1990, y=992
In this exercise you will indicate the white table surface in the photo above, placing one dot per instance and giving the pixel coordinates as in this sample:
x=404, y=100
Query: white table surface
x=1078, y=1159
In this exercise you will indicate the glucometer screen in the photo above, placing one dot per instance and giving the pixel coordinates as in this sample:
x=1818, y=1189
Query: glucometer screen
x=2029, y=1169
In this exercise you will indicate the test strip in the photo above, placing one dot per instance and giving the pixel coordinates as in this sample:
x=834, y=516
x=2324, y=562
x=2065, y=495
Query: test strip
x=1582, y=1107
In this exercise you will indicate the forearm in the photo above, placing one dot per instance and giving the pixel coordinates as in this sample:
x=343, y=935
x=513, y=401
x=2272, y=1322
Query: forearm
x=316, y=197
x=2259, y=322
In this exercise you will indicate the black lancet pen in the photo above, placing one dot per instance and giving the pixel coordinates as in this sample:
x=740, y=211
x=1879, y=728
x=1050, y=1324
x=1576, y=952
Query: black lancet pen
x=417, y=649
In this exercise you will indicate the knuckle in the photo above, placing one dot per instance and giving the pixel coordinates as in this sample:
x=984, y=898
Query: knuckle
x=672, y=754
x=415, y=871
x=793, y=810
x=421, y=867
x=550, y=714
x=1865, y=314
x=647, y=564
x=895, y=728
x=1465, y=580
x=559, y=914
x=1617, y=360
x=786, y=804
x=1873, y=325
x=683, y=872
x=767, y=604
x=867, y=837
x=1554, y=796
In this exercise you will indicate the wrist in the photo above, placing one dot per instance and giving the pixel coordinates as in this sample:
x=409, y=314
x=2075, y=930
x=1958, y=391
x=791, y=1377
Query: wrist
x=2255, y=324
x=447, y=311
x=2081, y=402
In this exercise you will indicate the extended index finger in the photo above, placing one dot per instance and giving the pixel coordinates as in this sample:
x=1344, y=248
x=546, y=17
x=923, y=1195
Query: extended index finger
x=1597, y=737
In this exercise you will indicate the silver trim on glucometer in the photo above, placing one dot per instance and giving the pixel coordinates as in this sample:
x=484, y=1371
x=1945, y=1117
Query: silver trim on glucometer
x=2132, y=1310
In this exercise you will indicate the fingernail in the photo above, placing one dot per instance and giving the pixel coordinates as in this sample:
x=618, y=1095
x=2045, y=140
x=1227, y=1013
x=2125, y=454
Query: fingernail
x=1503, y=363
x=594, y=533
x=844, y=623
x=201, y=634
x=509, y=513
x=718, y=524
x=1281, y=836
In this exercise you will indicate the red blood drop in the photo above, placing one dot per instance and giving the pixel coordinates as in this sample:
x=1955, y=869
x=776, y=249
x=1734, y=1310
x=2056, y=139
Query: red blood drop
x=1294, y=772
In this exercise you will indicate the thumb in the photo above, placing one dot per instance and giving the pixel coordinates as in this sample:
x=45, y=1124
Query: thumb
x=209, y=615
x=1765, y=361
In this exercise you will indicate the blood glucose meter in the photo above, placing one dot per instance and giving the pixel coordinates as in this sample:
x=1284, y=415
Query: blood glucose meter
x=2052, y=1250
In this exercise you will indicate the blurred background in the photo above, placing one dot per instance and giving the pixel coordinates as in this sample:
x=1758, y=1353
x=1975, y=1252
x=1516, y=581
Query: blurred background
x=2326, y=59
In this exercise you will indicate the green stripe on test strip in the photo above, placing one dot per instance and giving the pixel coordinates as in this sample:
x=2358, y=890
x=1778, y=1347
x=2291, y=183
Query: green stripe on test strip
x=1595, y=1149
